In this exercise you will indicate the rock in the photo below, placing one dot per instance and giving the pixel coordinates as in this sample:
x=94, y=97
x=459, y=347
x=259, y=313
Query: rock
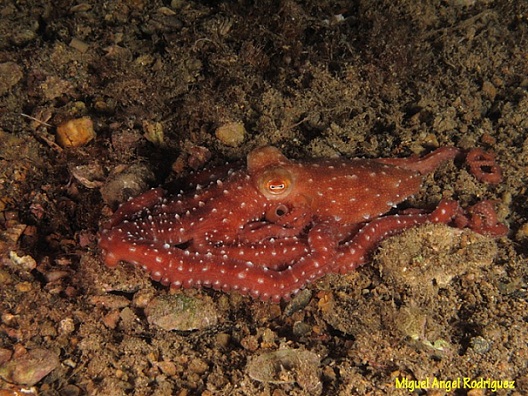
x=231, y=134
x=10, y=75
x=126, y=182
x=30, y=368
x=75, y=133
x=425, y=259
x=90, y=175
x=288, y=366
x=181, y=312
x=298, y=302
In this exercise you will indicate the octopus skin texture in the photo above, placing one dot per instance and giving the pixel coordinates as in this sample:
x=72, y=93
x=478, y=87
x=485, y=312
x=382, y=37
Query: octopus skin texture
x=269, y=228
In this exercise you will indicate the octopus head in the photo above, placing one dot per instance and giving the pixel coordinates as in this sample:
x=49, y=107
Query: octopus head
x=274, y=176
x=269, y=169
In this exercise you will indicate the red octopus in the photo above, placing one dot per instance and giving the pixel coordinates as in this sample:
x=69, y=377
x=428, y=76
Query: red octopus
x=270, y=229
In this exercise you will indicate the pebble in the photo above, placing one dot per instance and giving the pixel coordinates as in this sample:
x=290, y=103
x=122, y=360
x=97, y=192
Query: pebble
x=301, y=329
x=522, y=233
x=10, y=75
x=30, y=368
x=5, y=355
x=167, y=368
x=125, y=182
x=75, y=133
x=480, y=345
x=223, y=340
x=231, y=134
x=198, y=366
x=89, y=175
x=250, y=343
x=298, y=302
x=110, y=301
x=430, y=257
x=79, y=45
x=71, y=390
x=66, y=326
x=25, y=263
x=181, y=312
x=288, y=366
x=5, y=277
x=111, y=319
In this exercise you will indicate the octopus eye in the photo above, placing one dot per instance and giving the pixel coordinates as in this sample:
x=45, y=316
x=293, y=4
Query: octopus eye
x=275, y=183
x=277, y=186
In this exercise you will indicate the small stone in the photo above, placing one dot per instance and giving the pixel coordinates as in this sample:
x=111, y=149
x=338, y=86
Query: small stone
x=66, y=326
x=71, y=390
x=128, y=318
x=489, y=90
x=198, y=366
x=5, y=277
x=10, y=75
x=298, y=302
x=268, y=339
x=428, y=258
x=142, y=298
x=167, y=368
x=110, y=301
x=181, y=312
x=24, y=36
x=79, y=45
x=476, y=392
x=223, y=339
x=154, y=133
x=231, y=134
x=75, y=133
x=5, y=355
x=24, y=287
x=480, y=345
x=125, y=182
x=29, y=368
x=111, y=319
x=197, y=155
x=54, y=87
x=82, y=7
x=89, y=175
x=288, y=366
x=301, y=329
x=522, y=233
x=250, y=343
x=54, y=276
x=26, y=263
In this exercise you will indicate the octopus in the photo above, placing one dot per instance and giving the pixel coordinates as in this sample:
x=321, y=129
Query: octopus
x=271, y=227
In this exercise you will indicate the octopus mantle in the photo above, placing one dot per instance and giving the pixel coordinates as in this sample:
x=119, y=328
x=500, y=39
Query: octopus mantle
x=269, y=229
